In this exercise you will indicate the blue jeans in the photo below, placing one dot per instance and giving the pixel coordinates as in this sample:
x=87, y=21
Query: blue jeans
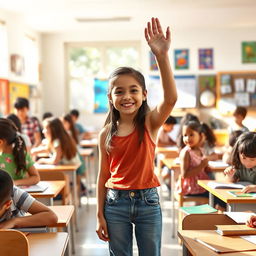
x=139, y=207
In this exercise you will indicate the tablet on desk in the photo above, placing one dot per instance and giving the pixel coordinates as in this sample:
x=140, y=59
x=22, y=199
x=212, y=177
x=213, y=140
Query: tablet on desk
x=41, y=186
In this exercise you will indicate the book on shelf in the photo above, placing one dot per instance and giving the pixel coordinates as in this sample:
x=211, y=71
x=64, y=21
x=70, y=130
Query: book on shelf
x=41, y=186
x=235, y=230
x=195, y=209
x=240, y=185
x=241, y=194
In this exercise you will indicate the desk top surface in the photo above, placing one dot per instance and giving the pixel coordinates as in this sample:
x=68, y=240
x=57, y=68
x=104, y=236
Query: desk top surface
x=50, y=244
x=196, y=248
x=53, y=189
x=53, y=167
x=224, y=195
x=64, y=214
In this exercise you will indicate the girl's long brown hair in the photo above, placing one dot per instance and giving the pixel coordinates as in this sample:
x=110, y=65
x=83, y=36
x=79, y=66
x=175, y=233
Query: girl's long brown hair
x=58, y=131
x=113, y=114
x=72, y=128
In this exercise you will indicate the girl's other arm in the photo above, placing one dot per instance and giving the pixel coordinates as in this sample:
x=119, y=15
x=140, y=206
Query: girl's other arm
x=32, y=178
x=160, y=44
x=187, y=171
x=230, y=174
x=54, y=159
x=41, y=215
x=103, y=176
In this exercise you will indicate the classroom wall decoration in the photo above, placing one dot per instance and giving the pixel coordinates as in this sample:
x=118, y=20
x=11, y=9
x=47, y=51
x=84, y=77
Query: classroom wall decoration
x=236, y=89
x=4, y=97
x=207, y=91
x=17, y=90
x=181, y=58
x=100, y=95
x=205, y=58
x=249, y=52
x=152, y=61
x=17, y=64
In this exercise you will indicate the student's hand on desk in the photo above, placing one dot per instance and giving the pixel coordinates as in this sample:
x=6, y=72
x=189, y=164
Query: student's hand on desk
x=251, y=222
x=102, y=230
x=7, y=224
x=249, y=189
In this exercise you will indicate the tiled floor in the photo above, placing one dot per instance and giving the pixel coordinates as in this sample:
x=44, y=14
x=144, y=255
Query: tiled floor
x=88, y=244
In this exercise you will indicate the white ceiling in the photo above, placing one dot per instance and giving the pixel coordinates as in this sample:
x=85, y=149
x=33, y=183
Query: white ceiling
x=60, y=15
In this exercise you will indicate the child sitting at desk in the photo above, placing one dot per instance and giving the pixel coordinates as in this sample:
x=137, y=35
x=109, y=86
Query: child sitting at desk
x=163, y=136
x=239, y=116
x=243, y=161
x=14, y=158
x=15, y=202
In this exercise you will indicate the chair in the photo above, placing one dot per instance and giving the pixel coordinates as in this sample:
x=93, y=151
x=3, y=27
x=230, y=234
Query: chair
x=13, y=243
x=205, y=221
x=53, y=175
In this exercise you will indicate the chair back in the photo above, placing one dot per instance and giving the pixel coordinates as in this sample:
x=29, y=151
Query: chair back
x=13, y=243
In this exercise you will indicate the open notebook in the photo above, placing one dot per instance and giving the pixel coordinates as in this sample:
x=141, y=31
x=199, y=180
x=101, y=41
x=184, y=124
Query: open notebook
x=240, y=185
x=41, y=186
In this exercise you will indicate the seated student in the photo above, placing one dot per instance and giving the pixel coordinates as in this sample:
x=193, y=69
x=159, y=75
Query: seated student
x=15, y=202
x=163, y=136
x=29, y=126
x=226, y=158
x=81, y=132
x=13, y=156
x=243, y=161
x=17, y=122
x=239, y=115
x=251, y=222
x=46, y=115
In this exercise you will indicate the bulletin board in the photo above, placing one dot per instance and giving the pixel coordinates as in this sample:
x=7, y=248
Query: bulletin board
x=17, y=90
x=236, y=88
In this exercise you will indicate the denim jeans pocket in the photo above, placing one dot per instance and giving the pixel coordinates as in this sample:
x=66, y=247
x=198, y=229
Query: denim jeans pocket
x=111, y=197
x=152, y=198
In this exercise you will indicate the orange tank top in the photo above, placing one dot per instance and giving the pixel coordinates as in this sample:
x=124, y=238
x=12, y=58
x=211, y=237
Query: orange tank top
x=132, y=163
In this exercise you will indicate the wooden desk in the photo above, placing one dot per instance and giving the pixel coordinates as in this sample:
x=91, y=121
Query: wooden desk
x=235, y=204
x=52, y=191
x=50, y=244
x=195, y=248
x=69, y=170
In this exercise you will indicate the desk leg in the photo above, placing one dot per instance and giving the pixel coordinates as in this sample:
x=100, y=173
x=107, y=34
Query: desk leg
x=75, y=198
x=211, y=200
x=173, y=202
x=46, y=201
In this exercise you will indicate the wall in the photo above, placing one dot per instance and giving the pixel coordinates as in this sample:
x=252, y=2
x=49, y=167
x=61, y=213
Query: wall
x=225, y=41
x=16, y=29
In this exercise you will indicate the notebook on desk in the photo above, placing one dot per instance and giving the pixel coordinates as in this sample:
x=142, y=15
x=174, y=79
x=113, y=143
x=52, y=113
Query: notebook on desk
x=41, y=186
x=240, y=185
x=41, y=229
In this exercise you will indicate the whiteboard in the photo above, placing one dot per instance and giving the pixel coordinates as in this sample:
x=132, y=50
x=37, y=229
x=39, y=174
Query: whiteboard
x=186, y=89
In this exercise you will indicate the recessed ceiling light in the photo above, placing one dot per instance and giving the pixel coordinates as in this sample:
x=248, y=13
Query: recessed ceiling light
x=103, y=19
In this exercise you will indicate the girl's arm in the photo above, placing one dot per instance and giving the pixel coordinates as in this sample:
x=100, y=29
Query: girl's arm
x=54, y=159
x=160, y=44
x=103, y=176
x=229, y=173
x=41, y=215
x=186, y=171
x=32, y=179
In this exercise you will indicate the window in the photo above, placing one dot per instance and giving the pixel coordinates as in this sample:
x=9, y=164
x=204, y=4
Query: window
x=31, y=59
x=89, y=66
x=4, y=67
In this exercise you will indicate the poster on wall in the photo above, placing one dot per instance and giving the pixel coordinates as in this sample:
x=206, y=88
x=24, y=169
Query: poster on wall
x=152, y=60
x=207, y=91
x=4, y=97
x=100, y=95
x=17, y=64
x=181, y=58
x=17, y=90
x=205, y=58
x=249, y=52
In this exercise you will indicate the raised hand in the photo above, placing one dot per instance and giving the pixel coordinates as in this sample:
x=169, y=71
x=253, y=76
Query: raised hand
x=158, y=42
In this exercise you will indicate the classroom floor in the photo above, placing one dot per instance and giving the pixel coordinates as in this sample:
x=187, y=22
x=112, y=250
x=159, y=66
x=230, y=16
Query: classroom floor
x=88, y=244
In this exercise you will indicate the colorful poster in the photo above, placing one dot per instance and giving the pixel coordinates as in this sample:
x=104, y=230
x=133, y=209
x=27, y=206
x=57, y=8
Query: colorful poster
x=4, y=97
x=181, y=58
x=152, y=61
x=100, y=95
x=17, y=90
x=206, y=58
x=249, y=52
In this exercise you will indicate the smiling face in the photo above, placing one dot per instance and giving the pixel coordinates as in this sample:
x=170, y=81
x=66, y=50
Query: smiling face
x=191, y=137
x=248, y=162
x=126, y=94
